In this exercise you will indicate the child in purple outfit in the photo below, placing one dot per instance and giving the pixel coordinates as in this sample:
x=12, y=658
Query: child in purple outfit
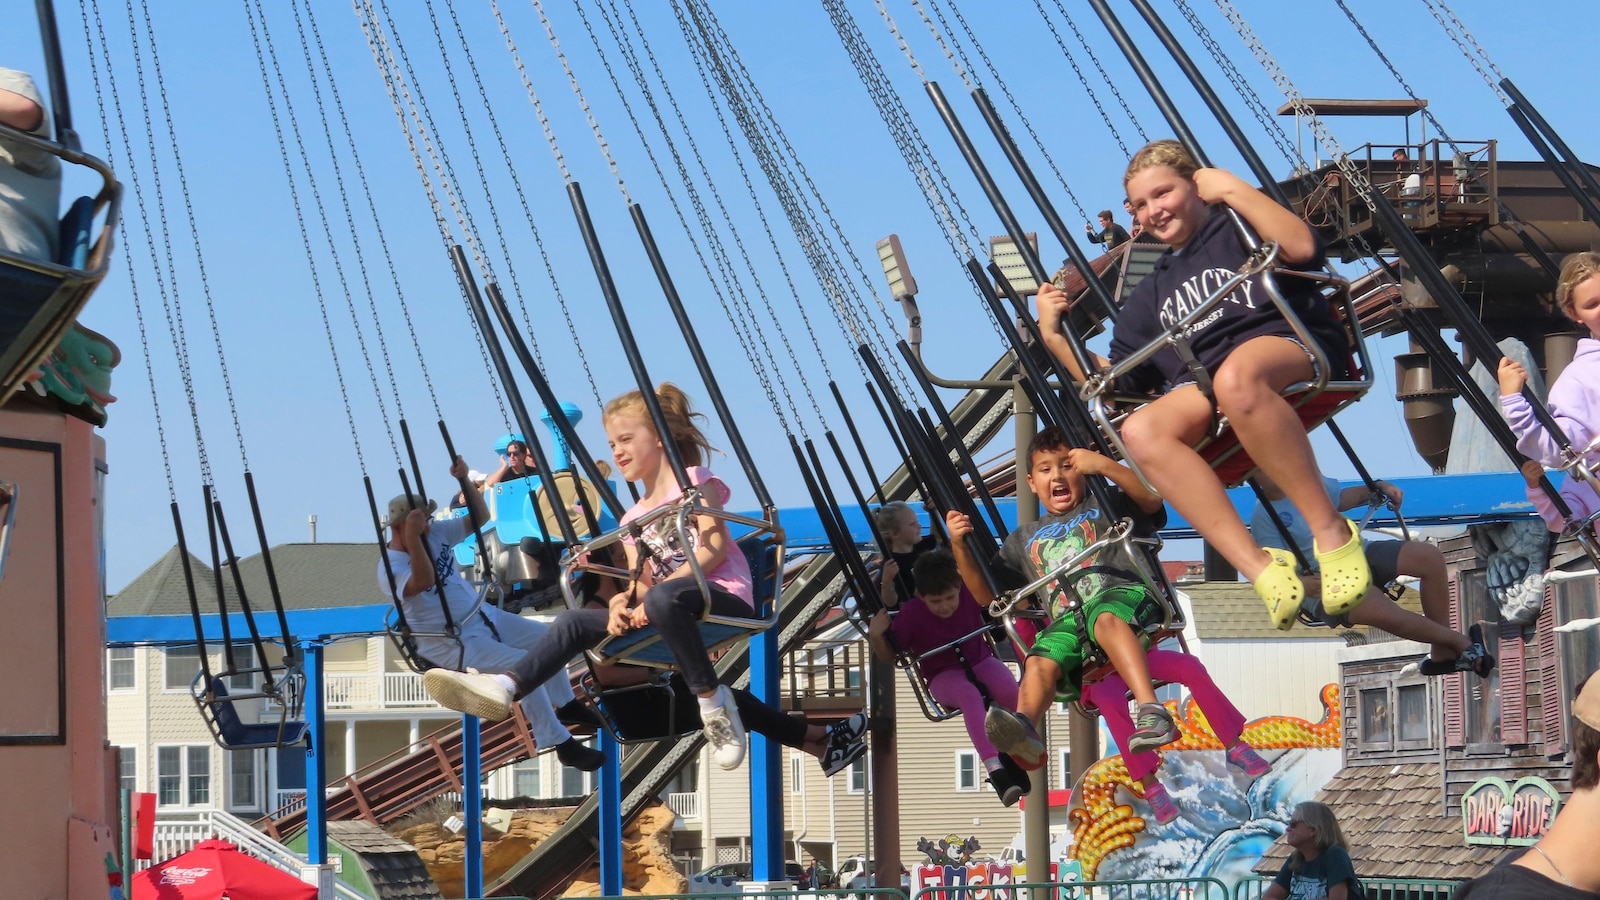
x=942, y=614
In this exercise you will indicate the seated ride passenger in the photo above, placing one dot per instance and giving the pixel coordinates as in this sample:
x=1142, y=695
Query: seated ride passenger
x=1112, y=598
x=1252, y=355
x=30, y=179
x=942, y=613
x=421, y=557
x=1452, y=651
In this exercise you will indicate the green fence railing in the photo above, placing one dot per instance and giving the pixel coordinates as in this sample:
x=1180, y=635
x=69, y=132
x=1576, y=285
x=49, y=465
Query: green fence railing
x=1374, y=888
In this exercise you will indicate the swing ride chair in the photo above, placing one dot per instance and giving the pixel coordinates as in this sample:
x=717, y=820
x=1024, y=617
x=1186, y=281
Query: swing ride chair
x=404, y=637
x=762, y=546
x=932, y=708
x=1315, y=401
x=1580, y=464
x=219, y=708
x=1029, y=601
x=44, y=297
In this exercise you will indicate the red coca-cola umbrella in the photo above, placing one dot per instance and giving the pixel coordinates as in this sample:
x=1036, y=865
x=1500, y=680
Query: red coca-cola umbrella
x=216, y=870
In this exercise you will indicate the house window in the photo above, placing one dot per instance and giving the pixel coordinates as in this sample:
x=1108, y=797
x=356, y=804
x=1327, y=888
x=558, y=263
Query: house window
x=183, y=776
x=1481, y=696
x=128, y=768
x=1064, y=766
x=243, y=783
x=1375, y=716
x=120, y=672
x=181, y=665
x=1411, y=713
x=858, y=775
x=797, y=773
x=525, y=778
x=967, y=777
x=244, y=661
x=574, y=782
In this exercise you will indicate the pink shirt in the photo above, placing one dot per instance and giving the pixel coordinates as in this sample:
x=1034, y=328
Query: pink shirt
x=666, y=556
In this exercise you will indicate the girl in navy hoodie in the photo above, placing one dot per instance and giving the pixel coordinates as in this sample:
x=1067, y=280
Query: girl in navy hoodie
x=1252, y=355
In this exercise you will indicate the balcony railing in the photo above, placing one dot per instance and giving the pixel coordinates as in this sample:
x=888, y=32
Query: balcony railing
x=373, y=690
x=685, y=806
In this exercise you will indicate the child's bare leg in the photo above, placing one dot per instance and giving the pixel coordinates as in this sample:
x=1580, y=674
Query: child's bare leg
x=1425, y=561
x=1247, y=386
x=1126, y=653
x=1161, y=437
x=1379, y=611
x=1037, y=690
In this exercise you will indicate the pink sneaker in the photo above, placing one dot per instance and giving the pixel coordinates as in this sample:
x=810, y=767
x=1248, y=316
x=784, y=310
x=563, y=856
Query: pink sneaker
x=1160, y=803
x=1244, y=757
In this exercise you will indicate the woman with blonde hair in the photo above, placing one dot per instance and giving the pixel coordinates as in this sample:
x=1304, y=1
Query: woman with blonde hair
x=1320, y=864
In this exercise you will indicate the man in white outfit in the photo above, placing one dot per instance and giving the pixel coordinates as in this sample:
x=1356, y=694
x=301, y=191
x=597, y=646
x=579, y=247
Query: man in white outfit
x=422, y=559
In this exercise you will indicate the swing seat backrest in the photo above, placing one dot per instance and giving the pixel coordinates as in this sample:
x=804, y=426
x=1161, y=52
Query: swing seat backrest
x=233, y=733
x=511, y=508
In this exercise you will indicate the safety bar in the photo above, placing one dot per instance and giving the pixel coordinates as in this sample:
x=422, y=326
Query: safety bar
x=404, y=639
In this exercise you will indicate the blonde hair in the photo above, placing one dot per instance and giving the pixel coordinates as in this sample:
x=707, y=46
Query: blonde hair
x=1167, y=153
x=686, y=435
x=891, y=514
x=1320, y=818
x=1575, y=270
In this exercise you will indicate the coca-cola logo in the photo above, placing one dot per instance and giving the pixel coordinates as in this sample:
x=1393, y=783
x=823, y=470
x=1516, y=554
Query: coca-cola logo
x=184, y=875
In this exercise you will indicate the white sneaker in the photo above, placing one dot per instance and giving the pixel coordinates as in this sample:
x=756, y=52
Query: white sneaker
x=470, y=692
x=724, y=732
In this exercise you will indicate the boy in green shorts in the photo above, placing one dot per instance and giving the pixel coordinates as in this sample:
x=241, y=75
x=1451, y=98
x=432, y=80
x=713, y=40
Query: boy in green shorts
x=1113, y=595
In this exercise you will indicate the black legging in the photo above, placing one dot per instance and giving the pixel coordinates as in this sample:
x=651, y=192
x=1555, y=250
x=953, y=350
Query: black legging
x=674, y=607
x=653, y=712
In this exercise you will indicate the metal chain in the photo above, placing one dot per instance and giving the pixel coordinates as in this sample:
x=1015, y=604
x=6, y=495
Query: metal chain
x=171, y=303
x=349, y=218
x=1457, y=31
x=741, y=315
x=1005, y=89
x=952, y=51
x=322, y=213
x=785, y=174
x=583, y=102
x=305, y=239
x=477, y=161
x=914, y=150
x=527, y=212
x=194, y=233
x=122, y=222
x=406, y=113
x=747, y=322
x=372, y=208
x=1099, y=68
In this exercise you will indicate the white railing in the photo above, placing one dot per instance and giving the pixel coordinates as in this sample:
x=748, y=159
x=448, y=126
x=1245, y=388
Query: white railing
x=372, y=690
x=290, y=801
x=177, y=832
x=685, y=805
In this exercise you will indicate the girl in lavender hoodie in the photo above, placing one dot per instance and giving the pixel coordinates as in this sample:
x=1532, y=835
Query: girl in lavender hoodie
x=1575, y=396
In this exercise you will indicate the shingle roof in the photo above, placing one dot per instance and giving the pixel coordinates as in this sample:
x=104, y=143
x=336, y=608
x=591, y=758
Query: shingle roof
x=390, y=864
x=310, y=576
x=1392, y=818
x=1230, y=610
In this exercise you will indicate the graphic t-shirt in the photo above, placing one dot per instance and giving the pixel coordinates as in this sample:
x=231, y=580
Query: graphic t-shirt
x=1036, y=548
x=1182, y=279
x=667, y=553
x=916, y=630
x=1331, y=867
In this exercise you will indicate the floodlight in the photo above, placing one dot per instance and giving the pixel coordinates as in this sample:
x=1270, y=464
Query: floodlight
x=1005, y=253
x=893, y=259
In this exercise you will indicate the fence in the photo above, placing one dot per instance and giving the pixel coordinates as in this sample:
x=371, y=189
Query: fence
x=1375, y=888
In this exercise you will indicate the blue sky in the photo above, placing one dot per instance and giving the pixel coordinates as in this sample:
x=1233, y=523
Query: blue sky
x=298, y=443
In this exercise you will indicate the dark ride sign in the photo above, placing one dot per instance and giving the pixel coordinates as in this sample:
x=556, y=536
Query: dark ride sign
x=1496, y=813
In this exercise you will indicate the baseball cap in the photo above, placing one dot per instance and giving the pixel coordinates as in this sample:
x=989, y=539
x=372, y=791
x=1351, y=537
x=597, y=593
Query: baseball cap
x=1586, y=708
x=399, y=506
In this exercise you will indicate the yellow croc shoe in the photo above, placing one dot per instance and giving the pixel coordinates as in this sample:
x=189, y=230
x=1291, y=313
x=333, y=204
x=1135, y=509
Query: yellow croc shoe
x=1345, y=575
x=1280, y=588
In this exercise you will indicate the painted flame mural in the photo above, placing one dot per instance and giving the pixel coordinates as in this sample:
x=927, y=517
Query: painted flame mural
x=1226, y=818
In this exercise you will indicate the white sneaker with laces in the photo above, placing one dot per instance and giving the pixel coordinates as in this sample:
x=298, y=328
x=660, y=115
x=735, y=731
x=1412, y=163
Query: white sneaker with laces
x=470, y=692
x=724, y=731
